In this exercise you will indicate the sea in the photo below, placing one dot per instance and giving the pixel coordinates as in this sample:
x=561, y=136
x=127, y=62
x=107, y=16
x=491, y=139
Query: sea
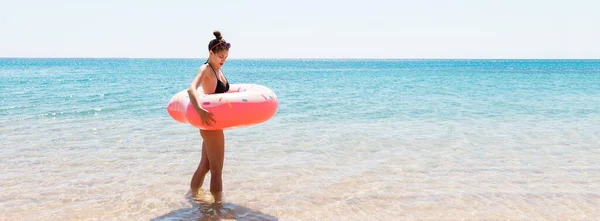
x=352, y=139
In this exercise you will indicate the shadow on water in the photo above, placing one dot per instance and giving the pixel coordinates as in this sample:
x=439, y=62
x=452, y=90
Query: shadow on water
x=204, y=209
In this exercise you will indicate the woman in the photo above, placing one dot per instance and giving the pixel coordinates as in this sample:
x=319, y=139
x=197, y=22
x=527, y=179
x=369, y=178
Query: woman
x=212, y=80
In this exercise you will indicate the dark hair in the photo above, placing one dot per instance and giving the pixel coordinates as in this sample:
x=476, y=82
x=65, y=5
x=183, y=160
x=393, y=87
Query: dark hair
x=218, y=44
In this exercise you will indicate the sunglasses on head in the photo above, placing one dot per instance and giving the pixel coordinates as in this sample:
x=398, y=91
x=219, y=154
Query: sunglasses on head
x=225, y=45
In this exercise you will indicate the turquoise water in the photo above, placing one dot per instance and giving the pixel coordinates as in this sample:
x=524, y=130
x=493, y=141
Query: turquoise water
x=311, y=90
x=352, y=139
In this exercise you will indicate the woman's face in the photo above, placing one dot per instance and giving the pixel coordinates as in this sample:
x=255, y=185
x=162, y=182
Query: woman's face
x=219, y=58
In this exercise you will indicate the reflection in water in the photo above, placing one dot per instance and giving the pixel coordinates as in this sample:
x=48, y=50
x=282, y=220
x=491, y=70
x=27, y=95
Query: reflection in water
x=206, y=206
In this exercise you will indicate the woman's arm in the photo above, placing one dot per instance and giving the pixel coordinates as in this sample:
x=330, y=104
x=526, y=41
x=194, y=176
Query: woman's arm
x=208, y=86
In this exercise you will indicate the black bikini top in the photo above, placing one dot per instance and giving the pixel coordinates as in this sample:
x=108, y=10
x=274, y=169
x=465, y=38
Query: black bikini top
x=221, y=87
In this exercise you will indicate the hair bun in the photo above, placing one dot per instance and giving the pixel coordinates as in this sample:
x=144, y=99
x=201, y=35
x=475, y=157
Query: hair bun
x=218, y=35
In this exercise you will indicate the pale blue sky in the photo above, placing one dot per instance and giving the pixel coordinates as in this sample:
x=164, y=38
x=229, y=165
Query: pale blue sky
x=302, y=29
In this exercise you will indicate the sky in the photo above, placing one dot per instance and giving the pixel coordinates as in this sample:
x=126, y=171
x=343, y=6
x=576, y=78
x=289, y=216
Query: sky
x=411, y=29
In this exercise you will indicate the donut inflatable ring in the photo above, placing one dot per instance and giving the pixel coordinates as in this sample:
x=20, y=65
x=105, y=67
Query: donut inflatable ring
x=243, y=105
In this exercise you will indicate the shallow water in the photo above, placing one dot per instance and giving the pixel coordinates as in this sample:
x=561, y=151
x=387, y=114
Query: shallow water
x=352, y=140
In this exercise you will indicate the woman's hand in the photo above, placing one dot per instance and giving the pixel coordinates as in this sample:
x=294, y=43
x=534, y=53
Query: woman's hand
x=206, y=117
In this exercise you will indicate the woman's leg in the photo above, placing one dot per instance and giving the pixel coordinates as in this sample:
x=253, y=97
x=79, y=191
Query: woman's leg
x=215, y=151
x=200, y=174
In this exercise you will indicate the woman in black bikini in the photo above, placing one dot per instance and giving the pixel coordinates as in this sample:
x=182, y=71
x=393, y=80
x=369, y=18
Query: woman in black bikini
x=213, y=145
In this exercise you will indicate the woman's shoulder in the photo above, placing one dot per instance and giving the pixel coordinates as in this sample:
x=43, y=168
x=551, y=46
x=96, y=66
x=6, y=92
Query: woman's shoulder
x=202, y=67
x=205, y=71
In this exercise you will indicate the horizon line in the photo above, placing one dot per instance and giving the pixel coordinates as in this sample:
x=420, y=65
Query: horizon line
x=303, y=58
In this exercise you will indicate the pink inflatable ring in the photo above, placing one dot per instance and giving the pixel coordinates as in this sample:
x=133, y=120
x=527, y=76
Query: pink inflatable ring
x=243, y=105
